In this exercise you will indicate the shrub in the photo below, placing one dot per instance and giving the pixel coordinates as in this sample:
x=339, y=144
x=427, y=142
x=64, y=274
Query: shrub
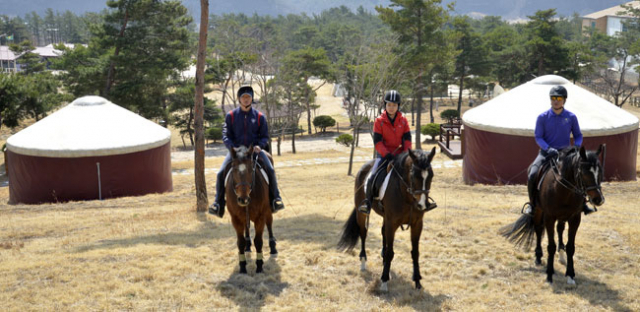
x=345, y=139
x=449, y=115
x=431, y=129
x=323, y=122
x=214, y=134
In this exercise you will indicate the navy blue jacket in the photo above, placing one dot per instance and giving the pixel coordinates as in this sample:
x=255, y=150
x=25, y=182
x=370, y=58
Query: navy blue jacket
x=242, y=128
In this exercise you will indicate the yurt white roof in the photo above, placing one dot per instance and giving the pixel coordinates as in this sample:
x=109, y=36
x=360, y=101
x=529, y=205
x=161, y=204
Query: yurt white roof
x=89, y=126
x=515, y=112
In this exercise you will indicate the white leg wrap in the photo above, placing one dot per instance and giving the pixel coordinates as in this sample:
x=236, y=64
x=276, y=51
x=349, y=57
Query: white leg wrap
x=562, y=257
x=384, y=287
x=243, y=258
x=363, y=264
x=259, y=256
x=570, y=280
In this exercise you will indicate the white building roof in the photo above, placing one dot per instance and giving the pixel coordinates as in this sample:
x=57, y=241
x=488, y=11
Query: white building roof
x=6, y=54
x=613, y=11
x=89, y=126
x=515, y=112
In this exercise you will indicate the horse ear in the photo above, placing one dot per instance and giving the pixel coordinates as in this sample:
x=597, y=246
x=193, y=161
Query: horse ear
x=412, y=155
x=583, y=152
x=432, y=154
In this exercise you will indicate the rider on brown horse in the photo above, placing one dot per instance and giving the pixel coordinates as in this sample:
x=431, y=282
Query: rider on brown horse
x=391, y=137
x=552, y=133
x=246, y=126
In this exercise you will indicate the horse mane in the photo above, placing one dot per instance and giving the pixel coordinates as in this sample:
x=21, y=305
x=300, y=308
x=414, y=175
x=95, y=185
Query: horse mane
x=399, y=161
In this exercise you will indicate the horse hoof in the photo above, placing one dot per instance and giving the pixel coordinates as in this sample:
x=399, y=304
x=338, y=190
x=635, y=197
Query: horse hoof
x=538, y=263
x=562, y=258
x=571, y=281
x=418, y=286
x=363, y=265
x=384, y=287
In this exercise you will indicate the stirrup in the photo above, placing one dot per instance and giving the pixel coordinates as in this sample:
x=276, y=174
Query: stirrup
x=277, y=205
x=587, y=210
x=365, y=207
x=527, y=209
x=215, y=210
x=431, y=204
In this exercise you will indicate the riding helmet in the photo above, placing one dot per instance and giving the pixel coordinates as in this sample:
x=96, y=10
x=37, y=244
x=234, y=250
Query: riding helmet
x=392, y=96
x=558, y=91
x=245, y=90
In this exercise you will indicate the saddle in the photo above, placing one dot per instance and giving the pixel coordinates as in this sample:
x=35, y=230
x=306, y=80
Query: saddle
x=546, y=165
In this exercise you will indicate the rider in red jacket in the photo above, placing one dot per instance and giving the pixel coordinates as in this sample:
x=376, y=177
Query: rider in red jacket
x=391, y=137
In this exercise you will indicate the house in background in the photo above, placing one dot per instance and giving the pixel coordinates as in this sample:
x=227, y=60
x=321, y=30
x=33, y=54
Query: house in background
x=608, y=21
x=10, y=62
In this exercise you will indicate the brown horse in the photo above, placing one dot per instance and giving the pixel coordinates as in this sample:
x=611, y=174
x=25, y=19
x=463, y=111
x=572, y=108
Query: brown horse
x=562, y=195
x=248, y=200
x=405, y=201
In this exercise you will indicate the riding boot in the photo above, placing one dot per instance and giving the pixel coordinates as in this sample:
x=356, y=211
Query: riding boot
x=217, y=208
x=365, y=208
x=587, y=210
x=274, y=193
x=529, y=207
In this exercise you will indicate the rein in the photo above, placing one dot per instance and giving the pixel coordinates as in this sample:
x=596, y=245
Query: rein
x=409, y=188
x=253, y=182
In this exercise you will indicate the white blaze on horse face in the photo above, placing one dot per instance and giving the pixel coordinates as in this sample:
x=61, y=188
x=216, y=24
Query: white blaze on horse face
x=595, y=172
x=422, y=203
x=242, y=168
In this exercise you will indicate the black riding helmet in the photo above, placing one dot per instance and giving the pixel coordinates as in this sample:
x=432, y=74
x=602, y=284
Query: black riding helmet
x=245, y=90
x=558, y=91
x=392, y=96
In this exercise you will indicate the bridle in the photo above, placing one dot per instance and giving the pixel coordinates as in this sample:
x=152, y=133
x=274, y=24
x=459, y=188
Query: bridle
x=408, y=187
x=254, y=163
x=579, y=186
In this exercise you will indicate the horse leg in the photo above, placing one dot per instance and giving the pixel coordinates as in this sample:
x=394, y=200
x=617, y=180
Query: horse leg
x=561, y=248
x=384, y=243
x=416, y=231
x=362, y=220
x=239, y=227
x=272, y=239
x=247, y=238
x=551, y=248
x=259, y=226
x=389, y=233
x=574, y=223
x=539, y=227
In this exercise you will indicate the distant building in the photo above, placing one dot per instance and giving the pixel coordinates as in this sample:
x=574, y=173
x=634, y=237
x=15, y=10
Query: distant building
x=10, y=62
x=609, y=21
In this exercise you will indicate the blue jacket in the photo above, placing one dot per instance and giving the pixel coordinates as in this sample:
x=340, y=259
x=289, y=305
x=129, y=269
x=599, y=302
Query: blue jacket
x=554, y=130
x=242, y=128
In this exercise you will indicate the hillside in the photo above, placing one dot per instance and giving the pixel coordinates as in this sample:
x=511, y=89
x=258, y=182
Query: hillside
x=509, y=9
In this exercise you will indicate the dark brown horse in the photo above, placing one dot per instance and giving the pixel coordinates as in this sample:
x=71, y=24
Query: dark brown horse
x=405, y=201
x=247, y=194
x=563, y=189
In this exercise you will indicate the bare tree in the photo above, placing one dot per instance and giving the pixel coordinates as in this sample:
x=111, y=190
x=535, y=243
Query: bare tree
x=201, y=185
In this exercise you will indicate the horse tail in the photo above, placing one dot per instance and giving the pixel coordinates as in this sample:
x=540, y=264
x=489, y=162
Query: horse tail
x=520, y=232
x=350, y=232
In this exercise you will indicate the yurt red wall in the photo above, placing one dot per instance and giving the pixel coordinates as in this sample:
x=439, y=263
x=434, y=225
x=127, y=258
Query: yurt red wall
x=495, y=158
x=35, y=179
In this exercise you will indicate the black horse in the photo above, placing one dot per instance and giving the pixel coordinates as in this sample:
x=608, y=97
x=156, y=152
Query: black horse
x=405, y=202
x=563, y=189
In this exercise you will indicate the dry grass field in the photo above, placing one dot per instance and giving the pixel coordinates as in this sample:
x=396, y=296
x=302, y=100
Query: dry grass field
x=156, y=253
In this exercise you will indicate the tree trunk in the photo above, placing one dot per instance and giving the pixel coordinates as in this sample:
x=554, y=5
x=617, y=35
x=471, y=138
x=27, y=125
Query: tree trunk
x=112, y=65
x=419, y=112
x=460, y=92
x=293, y=141
x=189, y=130
x=353, y=148
x=431, y=103
x=201, y=185
x=308, y=114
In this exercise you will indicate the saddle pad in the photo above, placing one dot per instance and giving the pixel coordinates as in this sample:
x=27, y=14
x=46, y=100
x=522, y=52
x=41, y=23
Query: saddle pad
x=383, y=188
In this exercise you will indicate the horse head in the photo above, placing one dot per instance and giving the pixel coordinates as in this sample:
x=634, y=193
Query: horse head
x=242, y=173
x=421, y=176
x=591, y=173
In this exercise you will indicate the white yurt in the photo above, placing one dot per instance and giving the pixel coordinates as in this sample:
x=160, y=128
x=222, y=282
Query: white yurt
x=499, y=141
x=89, y=149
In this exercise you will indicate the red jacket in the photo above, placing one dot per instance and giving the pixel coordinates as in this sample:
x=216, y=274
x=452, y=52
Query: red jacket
x=391, y=138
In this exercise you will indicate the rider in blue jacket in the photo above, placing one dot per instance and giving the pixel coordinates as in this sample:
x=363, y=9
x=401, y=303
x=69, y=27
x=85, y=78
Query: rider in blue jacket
x=553, y=130
x=245, y=126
